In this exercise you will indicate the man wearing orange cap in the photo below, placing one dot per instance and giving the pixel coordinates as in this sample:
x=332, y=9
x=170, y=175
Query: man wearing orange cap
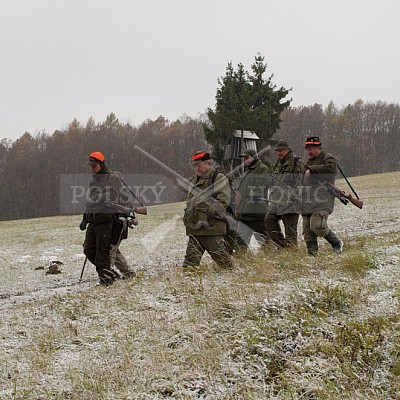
x=100, y=218
x=318, y=201
x=208, y=197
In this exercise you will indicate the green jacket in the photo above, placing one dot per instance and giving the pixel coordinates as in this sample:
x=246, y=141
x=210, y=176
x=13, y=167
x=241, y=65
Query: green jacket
x=105, y=187
x=316, y=197
x=285, y=192
x=206, y=204
x=252, y=191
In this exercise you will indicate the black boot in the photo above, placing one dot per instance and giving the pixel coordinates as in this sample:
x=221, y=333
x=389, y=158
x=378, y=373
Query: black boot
x=335, y=242
x=107, y=277
x=312, y=248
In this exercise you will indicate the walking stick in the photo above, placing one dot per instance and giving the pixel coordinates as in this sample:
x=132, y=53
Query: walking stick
x=83, y=268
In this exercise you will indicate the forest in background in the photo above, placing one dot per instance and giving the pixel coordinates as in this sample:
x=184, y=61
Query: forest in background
x=364, y=137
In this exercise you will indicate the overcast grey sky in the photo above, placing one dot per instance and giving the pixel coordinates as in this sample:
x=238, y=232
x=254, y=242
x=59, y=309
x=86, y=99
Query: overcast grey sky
x=66, y=59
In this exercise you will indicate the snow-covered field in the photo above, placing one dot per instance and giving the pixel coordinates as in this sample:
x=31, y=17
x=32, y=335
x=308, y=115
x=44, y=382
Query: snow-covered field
x=233, y=360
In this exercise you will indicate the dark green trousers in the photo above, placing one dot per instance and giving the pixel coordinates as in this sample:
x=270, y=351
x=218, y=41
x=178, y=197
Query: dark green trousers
x=213, y=244
x=97, y=248
x=290, y=222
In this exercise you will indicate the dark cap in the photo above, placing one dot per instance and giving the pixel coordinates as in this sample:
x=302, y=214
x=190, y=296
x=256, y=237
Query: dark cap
x=282, y=145
x=248, y=152
x=313, y=141
x=200, y=156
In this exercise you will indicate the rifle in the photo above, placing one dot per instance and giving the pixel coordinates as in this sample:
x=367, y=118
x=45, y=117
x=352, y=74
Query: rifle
x=345, y=178
x=140, y=210
x=129, y=213
x=342, y=196
x=185, y=185
x=126, y=210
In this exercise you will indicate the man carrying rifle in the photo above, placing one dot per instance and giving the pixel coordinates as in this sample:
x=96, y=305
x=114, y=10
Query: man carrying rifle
x=101, y=219
x=318, y=200
x=208, y=197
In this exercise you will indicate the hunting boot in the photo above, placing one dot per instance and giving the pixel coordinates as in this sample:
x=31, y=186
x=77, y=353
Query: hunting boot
x=107, y=277
x=312, y=248
x=130, y=273
x=335, y=242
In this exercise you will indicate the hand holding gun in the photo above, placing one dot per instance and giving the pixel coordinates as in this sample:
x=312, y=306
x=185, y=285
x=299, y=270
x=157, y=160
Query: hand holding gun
x=339, y=194
x=342, y=196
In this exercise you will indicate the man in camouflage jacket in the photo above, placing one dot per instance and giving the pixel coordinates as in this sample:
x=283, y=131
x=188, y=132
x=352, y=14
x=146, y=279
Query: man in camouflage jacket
x=318, y=201
x=285, y=196
x=207, y=199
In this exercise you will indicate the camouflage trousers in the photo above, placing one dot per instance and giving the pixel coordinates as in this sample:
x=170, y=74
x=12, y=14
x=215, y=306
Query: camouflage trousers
x=315, y=225
x=118, y=260
x=213, y=244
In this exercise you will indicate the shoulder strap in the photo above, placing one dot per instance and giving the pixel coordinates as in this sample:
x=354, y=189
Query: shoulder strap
x=296, y=159
x=212, y=177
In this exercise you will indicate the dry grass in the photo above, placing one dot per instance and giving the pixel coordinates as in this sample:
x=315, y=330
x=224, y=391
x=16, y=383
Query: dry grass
x=281, y=325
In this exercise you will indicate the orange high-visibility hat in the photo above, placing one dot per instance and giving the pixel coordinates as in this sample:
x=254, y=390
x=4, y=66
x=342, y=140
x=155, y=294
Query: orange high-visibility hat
x=97, y=155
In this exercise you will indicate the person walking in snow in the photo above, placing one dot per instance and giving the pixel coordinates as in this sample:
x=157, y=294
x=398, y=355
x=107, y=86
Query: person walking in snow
x=318, y=201
x=100, y=219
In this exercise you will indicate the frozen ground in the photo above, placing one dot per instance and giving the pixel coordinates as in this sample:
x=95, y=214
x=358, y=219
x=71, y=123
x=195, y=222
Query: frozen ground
x=155, y=249
x=157, y=244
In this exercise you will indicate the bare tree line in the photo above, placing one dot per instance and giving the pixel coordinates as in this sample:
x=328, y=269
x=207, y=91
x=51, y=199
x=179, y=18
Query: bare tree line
x=365, y=137
x=30, y=167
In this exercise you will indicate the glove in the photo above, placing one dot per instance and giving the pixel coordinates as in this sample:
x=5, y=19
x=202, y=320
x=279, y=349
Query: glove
x=83, y=224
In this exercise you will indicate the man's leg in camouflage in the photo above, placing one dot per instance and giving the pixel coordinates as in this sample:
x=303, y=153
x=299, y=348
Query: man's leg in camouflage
x=194, y=252
x=120, y=262
x=274, y=230
x=290, y=221
x=310, y=237
x=319, y=223
x=334, y=241
x=113, y=253
x=215, y=246
x=123, y=267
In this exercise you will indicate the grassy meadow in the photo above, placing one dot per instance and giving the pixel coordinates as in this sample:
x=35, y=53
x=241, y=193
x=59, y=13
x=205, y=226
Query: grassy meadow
x=280, y=325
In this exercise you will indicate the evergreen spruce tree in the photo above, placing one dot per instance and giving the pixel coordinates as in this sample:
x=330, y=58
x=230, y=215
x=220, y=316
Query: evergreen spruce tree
x=245, y=102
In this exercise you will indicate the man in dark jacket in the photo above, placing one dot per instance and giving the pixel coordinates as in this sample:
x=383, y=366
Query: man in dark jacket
x=100, y=217
x=250, y=203
x=285, y=196
x=318, y=201
x=208, y=197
